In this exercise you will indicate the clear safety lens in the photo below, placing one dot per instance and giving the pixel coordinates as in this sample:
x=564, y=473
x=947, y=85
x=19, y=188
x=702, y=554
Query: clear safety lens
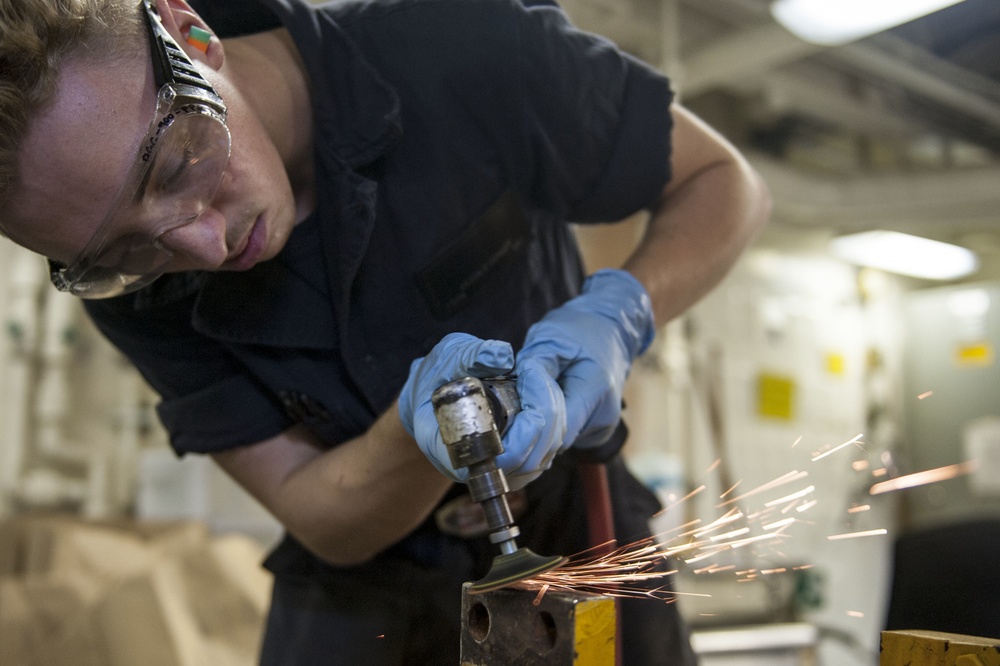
x=184, y=173
x=172, y=187
x=130, y=263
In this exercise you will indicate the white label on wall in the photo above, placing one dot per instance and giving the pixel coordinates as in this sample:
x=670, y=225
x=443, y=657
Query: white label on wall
x=982, y=444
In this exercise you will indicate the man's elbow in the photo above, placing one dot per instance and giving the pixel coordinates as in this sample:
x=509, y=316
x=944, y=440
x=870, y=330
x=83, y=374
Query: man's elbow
x=342, y=553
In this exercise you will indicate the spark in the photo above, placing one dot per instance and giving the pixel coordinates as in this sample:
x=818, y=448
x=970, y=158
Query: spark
x=788, y=498
x=723, y=495
x=925, y=477
x=881, y=471
x=763, y=514
x=730, y=535
x=711, y=468
x=852, y=613
x=859, y=509
x=707, y=554
x=853, y=440
x=807, y=506
x=858, y=535
x=859, y=465
x=762, y=537
x=768, y=572
x=794, y=475
x=690, y=523
x=780, y=523
x=541, y=593
x=790, y=506
x=796, y=442
x=926, y=394
x=684, y=499
x=731, y=516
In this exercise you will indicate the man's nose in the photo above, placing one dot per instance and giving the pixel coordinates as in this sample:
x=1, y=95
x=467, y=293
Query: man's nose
x=201, y=241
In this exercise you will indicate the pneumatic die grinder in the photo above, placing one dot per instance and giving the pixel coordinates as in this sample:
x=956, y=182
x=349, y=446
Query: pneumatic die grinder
x=472, y=415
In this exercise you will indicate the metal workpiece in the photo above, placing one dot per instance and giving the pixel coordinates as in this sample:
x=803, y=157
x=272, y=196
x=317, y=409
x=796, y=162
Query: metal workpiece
x=466, y=412
x=505, y=627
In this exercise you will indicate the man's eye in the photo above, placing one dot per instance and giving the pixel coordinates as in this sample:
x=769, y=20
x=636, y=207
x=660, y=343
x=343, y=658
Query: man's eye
x=172, y=173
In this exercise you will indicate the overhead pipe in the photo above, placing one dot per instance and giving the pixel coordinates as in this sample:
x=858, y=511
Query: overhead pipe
x=930, y=77
x=965, y=198
x=752, y=51
x=786, y=92
x=746, y=53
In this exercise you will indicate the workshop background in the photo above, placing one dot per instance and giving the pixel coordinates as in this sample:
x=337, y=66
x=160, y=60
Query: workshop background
x=801, y=363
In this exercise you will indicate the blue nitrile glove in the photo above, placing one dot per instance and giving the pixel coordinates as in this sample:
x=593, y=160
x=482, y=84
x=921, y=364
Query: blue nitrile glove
x=588, y=345
x=536, y=432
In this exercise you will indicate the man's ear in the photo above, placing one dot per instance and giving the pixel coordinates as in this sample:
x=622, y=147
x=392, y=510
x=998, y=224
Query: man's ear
x=191, y=32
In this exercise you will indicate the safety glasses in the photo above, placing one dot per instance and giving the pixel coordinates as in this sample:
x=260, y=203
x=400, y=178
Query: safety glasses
x=173, y=180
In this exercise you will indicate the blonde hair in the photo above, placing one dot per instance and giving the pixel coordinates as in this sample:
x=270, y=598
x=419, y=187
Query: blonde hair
x=36, y=37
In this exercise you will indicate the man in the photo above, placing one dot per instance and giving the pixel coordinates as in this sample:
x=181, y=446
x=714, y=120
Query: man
x=274, y=227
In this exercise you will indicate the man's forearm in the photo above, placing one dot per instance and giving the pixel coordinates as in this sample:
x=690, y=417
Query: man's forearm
x=348, y=503
x=705, y=220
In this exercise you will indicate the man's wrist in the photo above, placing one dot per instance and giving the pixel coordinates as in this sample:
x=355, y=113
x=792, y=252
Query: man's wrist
x=632, y=303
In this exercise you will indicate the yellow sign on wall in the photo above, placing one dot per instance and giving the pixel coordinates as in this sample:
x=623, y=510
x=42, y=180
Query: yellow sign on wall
x=775, y=397
x=974, y=354
x=835, y=364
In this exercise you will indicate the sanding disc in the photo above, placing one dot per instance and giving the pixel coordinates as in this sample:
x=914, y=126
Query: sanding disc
x=510, y=568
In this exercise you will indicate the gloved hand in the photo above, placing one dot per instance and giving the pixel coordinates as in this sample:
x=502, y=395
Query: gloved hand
x=588, y=345
x=536, y=432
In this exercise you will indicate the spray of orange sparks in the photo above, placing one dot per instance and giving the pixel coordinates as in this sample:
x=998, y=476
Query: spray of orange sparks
x=627, y=571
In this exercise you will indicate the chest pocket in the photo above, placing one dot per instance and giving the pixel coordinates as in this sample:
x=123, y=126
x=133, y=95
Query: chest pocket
x=494, y=242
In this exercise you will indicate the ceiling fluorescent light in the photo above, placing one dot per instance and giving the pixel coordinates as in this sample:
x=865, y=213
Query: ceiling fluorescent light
x=904, y=254
x=834, y=22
